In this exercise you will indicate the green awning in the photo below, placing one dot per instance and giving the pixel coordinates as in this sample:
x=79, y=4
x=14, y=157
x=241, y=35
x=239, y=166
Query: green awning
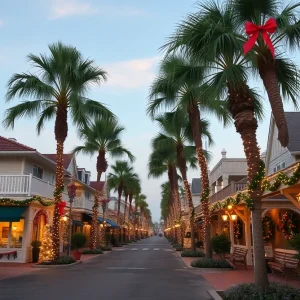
x=11, y=213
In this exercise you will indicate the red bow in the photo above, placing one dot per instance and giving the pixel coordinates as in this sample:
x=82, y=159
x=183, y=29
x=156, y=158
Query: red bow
x=61, y=206
x=253, y=31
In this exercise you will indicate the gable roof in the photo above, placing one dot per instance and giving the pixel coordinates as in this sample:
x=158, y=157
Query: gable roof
x=67, y=159
x=293, y=123
x=196, y=186
x=12, y=145
x=98, y=186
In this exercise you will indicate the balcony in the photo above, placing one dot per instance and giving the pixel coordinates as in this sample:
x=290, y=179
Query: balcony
x=26, y=186
x=230, y=189
x=84, y=203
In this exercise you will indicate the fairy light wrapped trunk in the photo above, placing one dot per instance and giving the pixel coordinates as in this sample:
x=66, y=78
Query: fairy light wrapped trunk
x=47, y=251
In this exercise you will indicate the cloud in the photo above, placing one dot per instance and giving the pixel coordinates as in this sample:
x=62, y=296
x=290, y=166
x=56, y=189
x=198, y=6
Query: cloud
x=131, y=74
x=66, y=8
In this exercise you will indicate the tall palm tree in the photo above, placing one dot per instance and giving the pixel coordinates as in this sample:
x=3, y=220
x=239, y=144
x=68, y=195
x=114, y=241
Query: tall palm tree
x=140, y=201
x=117, y=180
x=101, y=137
x=133, y=188
x=210, y=36
x=272, y=70
x=176, y=131
x=180, y=84
x=165, y=200
x=58, y=87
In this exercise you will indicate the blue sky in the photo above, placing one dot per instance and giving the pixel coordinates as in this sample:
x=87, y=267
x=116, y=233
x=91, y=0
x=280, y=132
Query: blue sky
x=123, y=37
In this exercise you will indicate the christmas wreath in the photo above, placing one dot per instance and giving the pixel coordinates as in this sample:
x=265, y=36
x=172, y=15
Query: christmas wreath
x=268, y=226
x=288, y=226
x=238, y=229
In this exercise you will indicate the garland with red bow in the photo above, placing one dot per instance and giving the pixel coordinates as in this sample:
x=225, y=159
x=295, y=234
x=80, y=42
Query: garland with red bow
x=8, y=254
x=253, y=30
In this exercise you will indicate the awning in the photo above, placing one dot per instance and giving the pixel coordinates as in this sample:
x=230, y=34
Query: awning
x=77, y=223
x=11, y=213
x=112, y=223
x=89, y=217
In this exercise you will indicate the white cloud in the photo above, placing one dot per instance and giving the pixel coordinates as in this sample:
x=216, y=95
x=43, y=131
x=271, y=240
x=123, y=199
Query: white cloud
x=66, y=8
x=132, y=73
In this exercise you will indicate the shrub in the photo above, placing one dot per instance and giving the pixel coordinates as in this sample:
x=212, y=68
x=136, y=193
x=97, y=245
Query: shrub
x=179, y=248
x=191, y=253
x=36, y=244
x=97, y=251
x=63, y=260
x=209, y=263
x=295, y=243
x=221, y=245
x=251, y=292
x=78, y=240
x=106, y=248
x=177, y=245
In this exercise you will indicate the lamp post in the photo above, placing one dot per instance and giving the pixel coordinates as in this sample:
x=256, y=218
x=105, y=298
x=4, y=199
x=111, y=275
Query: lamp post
x=71, y=193
x=104, y=203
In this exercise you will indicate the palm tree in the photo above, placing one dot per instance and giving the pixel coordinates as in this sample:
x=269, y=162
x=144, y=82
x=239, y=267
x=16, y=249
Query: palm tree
x=165, y=200
x=101, y=137
x=59, y=87
x=180, y=85
x=272, y=71
x=117, y=180
x=140, y=201
x=176, y=131
x=210, y=36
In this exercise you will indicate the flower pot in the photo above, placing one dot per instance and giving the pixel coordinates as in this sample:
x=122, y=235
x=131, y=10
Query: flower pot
x=35, y=255
x=77, y=255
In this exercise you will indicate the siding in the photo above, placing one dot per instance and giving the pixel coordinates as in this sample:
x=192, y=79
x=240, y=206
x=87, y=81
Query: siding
x=11, y=166
x=29, y=170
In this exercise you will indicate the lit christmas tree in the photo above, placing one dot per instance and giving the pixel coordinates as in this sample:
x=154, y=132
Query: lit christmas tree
x=46, y=252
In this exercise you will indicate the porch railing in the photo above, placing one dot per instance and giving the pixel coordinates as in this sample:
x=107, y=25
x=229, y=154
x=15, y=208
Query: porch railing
x=15, y=184
x=228, y=190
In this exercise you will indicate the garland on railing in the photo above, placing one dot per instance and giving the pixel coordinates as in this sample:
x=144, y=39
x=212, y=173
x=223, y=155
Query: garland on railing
x=26, y=201
x=266, y=184
x=268, y=228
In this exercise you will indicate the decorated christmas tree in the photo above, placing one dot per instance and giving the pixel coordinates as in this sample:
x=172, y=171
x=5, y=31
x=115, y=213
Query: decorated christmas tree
x=46, y=252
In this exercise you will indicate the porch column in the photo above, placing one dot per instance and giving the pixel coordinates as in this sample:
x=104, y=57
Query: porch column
x=225, y=180
x=220, y=221
x=231, y=230
x=248, y=237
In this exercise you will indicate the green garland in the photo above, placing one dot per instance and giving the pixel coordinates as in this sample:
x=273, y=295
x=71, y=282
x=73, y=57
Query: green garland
x=238, y=229
x=268, y=228
x=26, y=201
x=204, y=195
x=281, y=178
x=287, y=225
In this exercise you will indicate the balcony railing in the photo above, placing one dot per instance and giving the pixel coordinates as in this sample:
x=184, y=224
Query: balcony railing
x=26, y=185
x=230, y=189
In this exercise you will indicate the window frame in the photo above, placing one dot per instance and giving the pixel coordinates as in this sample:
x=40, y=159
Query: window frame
x=36, y=167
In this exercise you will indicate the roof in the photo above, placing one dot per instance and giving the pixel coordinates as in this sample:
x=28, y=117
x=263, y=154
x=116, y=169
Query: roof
x=98, y=186
x=196, y=186
x=67, y=159
x=293, y=123
x=12, y=145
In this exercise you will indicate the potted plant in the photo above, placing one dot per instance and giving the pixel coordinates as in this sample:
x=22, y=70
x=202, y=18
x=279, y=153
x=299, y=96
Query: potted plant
x=35, y=250
x=78, y=241
x=221, y=245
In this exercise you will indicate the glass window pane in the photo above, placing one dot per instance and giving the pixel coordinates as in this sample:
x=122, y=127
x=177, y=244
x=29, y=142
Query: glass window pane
x=17, y=229
x=4, y=232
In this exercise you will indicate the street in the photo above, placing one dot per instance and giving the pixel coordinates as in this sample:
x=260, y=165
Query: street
x=149, y=269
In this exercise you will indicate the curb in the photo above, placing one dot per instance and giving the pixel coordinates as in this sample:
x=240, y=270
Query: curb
x=56, y=266
x=214, y=295
x=187, y=265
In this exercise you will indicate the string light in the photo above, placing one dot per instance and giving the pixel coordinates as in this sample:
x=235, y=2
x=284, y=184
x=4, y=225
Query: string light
x=46, y=251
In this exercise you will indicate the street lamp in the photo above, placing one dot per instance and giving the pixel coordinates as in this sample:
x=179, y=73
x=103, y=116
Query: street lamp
x=104, y=203
x=71, y=193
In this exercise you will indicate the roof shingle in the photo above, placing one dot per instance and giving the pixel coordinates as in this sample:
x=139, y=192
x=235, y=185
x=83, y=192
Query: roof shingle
x=11, y=145
x=67, y=159
x=98, y=186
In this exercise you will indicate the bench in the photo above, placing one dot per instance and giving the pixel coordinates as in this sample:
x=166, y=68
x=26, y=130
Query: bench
x=284, y=262
x=238, y=257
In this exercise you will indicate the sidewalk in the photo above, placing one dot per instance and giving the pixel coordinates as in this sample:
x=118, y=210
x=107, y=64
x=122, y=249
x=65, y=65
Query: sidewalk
x=224, y=279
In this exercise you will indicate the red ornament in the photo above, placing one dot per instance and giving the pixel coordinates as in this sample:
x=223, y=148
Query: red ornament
x=253, y=31
x=61, y=206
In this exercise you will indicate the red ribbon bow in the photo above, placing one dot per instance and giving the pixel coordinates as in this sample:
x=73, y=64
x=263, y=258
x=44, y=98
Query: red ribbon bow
x=61, y=206
x=253, y=31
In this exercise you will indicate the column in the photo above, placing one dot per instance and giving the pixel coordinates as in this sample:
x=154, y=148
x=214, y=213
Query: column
x=248, y=237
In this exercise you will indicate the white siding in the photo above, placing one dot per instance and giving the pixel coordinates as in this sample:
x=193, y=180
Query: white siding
x=29, y=170
x=10, y=166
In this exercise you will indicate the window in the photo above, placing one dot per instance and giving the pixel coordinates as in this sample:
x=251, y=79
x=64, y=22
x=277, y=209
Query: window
x=52, y=179
x=87, y=195
x=37, y=172
x=279, y=167
x=80, y=175
x=116, y=206
x=11, y=234
x=87, y=179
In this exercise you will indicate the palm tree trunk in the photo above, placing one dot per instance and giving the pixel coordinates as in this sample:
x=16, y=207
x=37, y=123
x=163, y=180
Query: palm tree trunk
x=267, y=71
x=242, y=110
x=61, y=132
x=194, y=116
x=125, y=211
x=120, y=189
x=95, y=212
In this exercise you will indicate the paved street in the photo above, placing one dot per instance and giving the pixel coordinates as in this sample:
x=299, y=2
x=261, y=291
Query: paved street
x=149, y=269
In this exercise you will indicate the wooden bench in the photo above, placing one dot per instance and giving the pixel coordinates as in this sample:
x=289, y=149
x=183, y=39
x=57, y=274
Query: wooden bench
x=284, y=262
x=238, y=256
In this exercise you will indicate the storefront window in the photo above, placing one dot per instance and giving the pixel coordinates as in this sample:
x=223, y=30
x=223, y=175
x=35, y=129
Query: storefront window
x=11, y=234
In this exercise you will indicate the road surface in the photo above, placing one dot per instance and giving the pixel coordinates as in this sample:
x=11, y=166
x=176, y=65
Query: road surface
x=149, y=269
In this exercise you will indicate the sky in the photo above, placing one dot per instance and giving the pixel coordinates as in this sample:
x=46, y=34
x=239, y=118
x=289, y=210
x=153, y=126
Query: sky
x=123, y=37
